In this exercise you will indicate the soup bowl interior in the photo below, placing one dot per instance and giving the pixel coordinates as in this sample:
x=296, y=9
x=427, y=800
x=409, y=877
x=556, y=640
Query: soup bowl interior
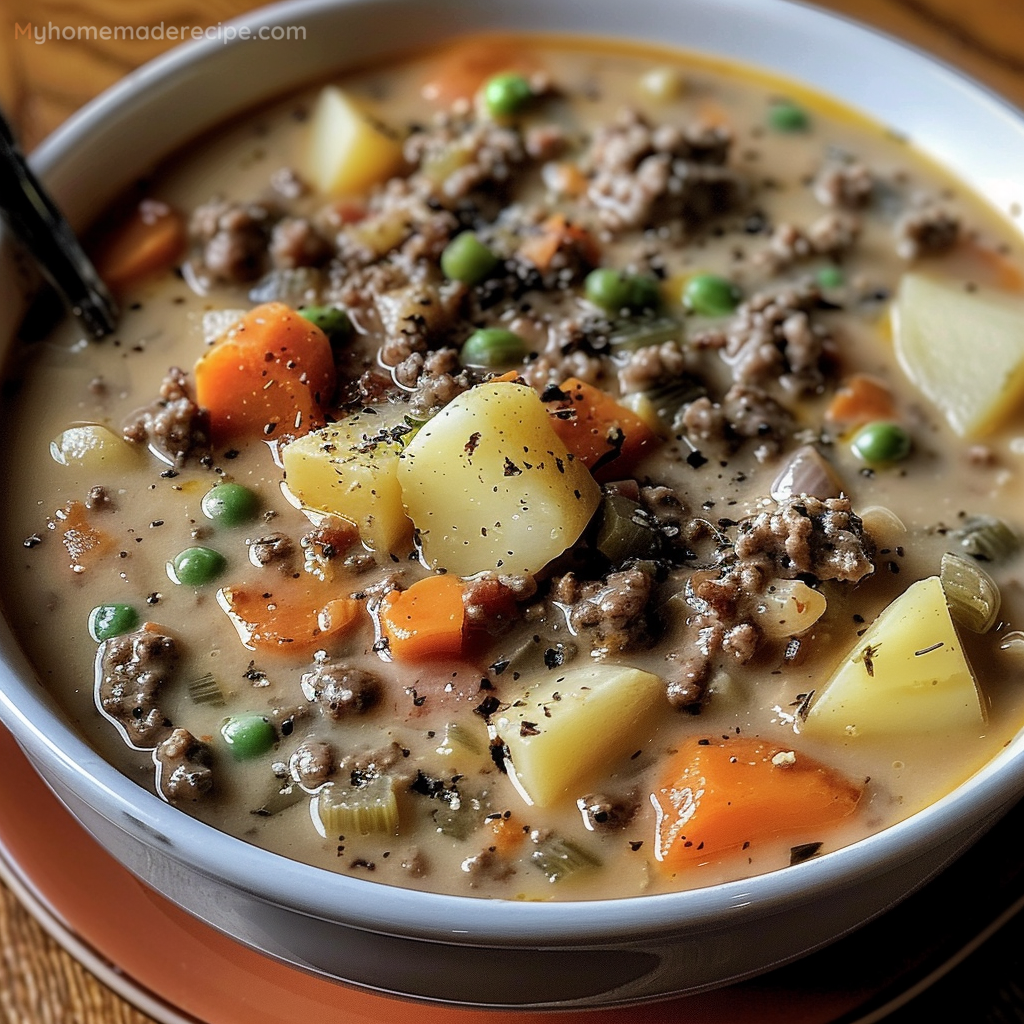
x=459, y=949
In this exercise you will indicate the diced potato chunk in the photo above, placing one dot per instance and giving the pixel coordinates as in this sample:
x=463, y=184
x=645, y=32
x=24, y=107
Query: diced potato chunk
x=574, y=727
x=906, y=674
x=95, y=447
x=348, y=152
x=490, y=486
x=347, y=469
x=964, y=350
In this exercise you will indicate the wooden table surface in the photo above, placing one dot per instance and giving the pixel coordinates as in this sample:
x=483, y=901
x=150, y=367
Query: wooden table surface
x=40, y=85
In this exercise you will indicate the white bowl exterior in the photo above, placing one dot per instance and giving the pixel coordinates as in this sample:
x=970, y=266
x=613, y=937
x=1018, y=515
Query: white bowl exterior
x=462, y=950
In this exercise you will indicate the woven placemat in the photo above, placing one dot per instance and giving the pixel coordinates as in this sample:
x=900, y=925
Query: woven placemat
x=42, y=984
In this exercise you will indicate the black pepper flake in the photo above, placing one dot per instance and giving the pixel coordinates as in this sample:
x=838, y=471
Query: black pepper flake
x=487, y=706
x=254, y=674
x=471, y=445
x=636, y=844
x=156, y=523
x=928, y=650
x=426, y=785
x=554, y=657
x=153, y=598
x=34, y=541
x=499, y=666
x=499, y=752
x=615, y=438
x=511, y=469
x=804, y=851
x=528, y=729
x=553, y=393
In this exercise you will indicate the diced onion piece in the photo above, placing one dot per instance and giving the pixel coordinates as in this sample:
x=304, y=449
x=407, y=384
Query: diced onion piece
x=95, y=447
x=663, y=83
x=788, y=607
x=217, y=322
x=357, y=810
x=882, y=525
x=988, y=538
x=972, y=594
x=806, y=472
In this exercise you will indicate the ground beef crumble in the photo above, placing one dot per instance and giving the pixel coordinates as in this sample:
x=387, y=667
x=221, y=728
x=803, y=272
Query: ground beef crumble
x=184, y=768
x=131, y=670
x=805, y=535
x=173, y=426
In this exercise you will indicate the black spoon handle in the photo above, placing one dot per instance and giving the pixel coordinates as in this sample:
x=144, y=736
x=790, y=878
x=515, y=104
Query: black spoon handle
x=41, y=227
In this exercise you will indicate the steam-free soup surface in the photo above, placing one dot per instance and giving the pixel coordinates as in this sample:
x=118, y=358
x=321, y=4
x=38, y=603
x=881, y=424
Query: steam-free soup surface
x=624, y=478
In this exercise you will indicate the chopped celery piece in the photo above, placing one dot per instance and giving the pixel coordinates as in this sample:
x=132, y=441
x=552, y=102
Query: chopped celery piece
x=358, y=810
x=458, y=738
x=205, y=689
x=279, y=797
x=625, y=531
x=634, y=334
x=559, y=858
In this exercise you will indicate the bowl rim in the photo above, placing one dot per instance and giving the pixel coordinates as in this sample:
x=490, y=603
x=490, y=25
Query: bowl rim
x=360, y=903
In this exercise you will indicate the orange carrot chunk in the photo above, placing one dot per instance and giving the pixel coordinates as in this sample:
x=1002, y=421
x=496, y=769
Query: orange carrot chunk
x=425, y=621
x=718, y=798
x=269, y=377
x=558, y=233
x=464, y=67
x=84, y=543
x=151, y=240
x=607, y=437
x=861, y=399
x=291, y=617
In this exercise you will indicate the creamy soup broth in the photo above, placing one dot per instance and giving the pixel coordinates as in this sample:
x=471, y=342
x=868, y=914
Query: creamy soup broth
x=462, y=826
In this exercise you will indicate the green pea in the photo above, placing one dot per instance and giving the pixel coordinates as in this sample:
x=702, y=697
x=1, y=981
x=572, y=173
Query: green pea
x=230, y=504
x=493, y=347
x=787, y=116
x=332, y=320
x=467, y=259
x=107, y=620
x=506, y=94
x=248, y=735
x=644, y=293
x=608, y=289
x=710, y=295
x=829, y=277
x=196, y=566
x=880, y=443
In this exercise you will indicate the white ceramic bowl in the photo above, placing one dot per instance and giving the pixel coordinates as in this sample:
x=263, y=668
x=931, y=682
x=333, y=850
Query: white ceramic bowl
x=470, y=951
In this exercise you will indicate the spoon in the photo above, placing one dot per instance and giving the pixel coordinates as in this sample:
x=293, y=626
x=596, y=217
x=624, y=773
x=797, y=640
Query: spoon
x=41, y=227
